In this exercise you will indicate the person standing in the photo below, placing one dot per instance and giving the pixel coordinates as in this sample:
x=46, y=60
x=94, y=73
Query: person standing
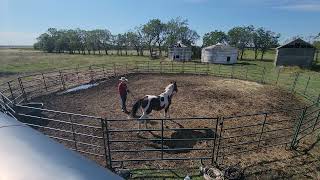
x=123, y=92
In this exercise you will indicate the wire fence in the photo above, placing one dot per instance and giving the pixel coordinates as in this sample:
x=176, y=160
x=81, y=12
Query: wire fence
x=169, y=142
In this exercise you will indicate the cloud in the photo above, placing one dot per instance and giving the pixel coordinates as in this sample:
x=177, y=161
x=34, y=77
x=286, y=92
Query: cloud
x=196, y=1
x=18, y=38
x=302, y=5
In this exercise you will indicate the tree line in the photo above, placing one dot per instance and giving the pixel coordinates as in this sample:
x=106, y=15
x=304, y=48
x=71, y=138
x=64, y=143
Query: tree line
x=155, y=35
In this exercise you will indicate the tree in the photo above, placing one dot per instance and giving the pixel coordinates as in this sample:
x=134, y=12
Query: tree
x=119, y=41
x=214, y=37
x=178, y=30
x=161, y=35
x=255, y=43
x=46, y=42
x=151, y=32
x=89, y=41
x=267, y=40
x=82, y=37
x=316, y=44
x=125, y=42
x=104, y=39
x=241, y=37
x=135, y=40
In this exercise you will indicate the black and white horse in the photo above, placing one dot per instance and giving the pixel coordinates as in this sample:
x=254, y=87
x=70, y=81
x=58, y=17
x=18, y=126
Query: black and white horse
x=157, y=103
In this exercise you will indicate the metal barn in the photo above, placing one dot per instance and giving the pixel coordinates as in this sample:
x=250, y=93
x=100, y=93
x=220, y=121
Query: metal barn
x=295, y=53
x=180, y=52
x=219, y=54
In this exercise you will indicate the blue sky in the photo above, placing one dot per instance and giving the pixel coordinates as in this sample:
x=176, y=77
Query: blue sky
x=21, y=21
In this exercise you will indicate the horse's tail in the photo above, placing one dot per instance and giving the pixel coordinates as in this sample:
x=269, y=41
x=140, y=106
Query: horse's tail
x=135, y=107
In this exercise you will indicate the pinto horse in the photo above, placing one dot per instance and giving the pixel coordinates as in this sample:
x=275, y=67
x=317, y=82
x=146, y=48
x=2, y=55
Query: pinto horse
x=157, y=103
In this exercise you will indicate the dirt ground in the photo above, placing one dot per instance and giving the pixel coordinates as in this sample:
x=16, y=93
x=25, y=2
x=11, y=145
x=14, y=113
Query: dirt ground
x=198, y=96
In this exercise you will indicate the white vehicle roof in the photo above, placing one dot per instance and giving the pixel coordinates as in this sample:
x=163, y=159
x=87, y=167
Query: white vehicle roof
x=26, y=154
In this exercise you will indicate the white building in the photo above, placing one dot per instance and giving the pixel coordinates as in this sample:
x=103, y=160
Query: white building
x=219, y=54
x=179, y=52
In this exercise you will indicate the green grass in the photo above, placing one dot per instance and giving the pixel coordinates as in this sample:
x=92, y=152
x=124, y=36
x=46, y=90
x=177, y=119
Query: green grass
x=22, y=61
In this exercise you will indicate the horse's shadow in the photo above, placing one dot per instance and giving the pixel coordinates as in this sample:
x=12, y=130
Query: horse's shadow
x=175, y=141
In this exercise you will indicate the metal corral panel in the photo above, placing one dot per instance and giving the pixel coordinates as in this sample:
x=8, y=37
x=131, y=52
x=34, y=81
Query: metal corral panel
x=28, y=154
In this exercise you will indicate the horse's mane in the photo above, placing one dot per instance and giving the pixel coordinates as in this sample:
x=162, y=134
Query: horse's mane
x=168, y=87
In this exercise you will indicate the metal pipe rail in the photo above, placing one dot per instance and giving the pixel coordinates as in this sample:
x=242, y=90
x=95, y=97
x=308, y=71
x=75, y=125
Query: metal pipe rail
x=26, y=88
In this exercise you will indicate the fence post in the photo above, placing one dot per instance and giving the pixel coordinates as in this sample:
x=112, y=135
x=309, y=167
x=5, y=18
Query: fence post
x=232, y=71
x=297, y=129
x=262, y=129
x=195, y=67
x=171, y=66
x=183, y=67
x=126, y=68
x=108, y=142
x=62, y=80
x=114, y=69
x=103, y=128
x=278, y=75
x=160, y=67
x=263, y=74
x=214, y=141
x=73, y=133
x=9, y=85
x=219, y=142
x=247, y=69
x=161, y=138
x=148, y=66
x=316, y=121
x=91, y=73
x=44, y=82
x=305, y=89
x=77, y=71
x=104, y=71
x=295, y=82
x=22, y=89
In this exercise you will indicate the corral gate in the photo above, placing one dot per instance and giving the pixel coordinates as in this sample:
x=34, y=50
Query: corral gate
x=308, y=123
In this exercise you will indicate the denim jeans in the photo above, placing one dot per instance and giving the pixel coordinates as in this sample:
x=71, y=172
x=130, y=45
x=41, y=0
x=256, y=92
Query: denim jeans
x=123, y=102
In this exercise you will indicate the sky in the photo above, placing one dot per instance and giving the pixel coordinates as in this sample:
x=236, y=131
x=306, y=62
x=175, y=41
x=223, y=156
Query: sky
x=21, y=21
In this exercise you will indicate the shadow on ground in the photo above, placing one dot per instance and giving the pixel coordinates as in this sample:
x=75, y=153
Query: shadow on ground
x=181, y=134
